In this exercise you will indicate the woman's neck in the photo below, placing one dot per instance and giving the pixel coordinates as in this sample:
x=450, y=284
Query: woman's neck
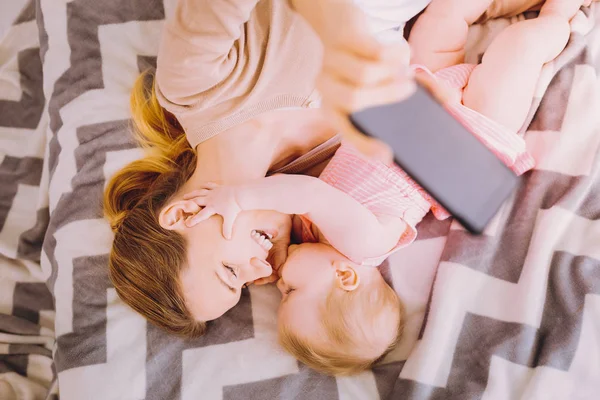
x=248, y=151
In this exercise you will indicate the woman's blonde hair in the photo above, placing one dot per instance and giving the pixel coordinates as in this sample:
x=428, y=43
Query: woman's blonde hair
x=352, y=328
x=146, y=260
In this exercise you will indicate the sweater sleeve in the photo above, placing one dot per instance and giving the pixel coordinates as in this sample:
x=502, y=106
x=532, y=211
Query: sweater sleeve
x=200, y=46
x=224, y=62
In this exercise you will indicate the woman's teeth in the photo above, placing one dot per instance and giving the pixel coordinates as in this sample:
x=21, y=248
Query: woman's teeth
x=263, y=239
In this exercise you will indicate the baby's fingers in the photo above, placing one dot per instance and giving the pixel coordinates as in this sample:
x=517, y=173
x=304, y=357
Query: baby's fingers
x=206, y=188
x=196, y=194
x=228, y=223
x=202, y=201
x=203, y=215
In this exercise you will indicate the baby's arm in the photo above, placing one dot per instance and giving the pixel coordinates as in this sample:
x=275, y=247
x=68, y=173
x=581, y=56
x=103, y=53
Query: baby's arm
x=438, y=38
x=348, y=226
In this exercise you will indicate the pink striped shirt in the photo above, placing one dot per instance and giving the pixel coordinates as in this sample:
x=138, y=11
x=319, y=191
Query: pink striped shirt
x=388, y=190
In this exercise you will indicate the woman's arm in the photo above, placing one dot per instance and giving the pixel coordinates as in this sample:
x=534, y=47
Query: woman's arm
x=346, y=224
x=199, y=46
x=358, y=70
x=201, y=43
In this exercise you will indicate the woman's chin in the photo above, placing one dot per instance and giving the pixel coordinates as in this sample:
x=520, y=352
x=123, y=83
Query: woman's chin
x=279, y=229
x=278, y=254
x=284, y=229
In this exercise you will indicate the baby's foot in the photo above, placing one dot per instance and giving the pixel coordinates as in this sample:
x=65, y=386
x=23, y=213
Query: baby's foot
x=563, y=8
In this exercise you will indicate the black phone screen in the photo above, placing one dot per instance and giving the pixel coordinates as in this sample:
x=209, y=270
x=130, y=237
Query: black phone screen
x=441, y=155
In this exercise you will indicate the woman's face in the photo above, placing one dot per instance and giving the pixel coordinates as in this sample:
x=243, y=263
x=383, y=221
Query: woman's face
x=218, y=268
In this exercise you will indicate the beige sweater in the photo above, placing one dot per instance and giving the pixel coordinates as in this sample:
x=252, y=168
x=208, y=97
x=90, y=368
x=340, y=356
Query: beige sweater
x=222, y=63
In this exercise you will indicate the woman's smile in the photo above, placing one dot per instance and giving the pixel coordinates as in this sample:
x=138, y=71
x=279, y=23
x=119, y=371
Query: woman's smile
x=263, y=239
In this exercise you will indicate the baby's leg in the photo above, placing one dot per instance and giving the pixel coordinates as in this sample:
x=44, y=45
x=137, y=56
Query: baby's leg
x=439, y=36
x=503, y=85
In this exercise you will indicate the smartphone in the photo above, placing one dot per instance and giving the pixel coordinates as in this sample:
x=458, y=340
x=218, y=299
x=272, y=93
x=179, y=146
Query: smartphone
x=442, y=156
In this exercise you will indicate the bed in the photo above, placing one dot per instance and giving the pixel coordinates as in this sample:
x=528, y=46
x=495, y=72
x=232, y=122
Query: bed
x=511, y=314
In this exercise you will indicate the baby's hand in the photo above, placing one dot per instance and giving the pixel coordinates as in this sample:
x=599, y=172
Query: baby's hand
x=216, y=200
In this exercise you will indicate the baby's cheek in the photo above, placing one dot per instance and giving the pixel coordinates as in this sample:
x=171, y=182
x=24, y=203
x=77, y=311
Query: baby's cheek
x=290, y=271
x=283, y=318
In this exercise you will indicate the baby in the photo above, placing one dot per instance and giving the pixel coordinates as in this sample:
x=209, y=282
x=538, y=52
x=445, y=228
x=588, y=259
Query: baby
x=337, y=314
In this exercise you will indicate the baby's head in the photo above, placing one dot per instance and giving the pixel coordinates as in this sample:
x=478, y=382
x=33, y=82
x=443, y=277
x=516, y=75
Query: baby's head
x=335, y=316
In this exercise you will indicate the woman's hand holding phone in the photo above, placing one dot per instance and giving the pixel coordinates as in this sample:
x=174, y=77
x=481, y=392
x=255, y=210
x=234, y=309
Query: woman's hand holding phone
x=359, y=71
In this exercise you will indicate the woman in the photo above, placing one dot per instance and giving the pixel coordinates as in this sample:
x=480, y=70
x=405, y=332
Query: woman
x=233, y=100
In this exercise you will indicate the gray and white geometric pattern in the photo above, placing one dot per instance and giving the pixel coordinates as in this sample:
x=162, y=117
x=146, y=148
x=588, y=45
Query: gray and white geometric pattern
x=26, y=305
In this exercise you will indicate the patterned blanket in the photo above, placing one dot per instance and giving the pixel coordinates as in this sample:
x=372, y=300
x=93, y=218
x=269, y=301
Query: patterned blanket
x=26, y=305
x=514, y=313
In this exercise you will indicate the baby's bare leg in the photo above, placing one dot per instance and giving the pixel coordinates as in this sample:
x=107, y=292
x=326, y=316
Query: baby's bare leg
x=503, y=85
x=439, y=36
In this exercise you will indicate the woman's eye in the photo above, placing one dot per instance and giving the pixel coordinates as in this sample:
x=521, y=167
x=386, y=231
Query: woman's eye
x=231, y=270
x=289, y=290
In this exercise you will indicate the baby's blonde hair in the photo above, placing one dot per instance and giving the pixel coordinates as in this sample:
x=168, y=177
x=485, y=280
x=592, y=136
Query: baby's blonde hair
x=352, y=325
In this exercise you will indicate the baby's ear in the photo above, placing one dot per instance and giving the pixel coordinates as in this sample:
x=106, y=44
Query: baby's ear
x=346, y=276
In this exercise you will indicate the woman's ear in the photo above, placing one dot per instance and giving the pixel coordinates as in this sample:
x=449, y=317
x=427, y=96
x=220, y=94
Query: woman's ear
x=173, y=216
x=346, y=275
